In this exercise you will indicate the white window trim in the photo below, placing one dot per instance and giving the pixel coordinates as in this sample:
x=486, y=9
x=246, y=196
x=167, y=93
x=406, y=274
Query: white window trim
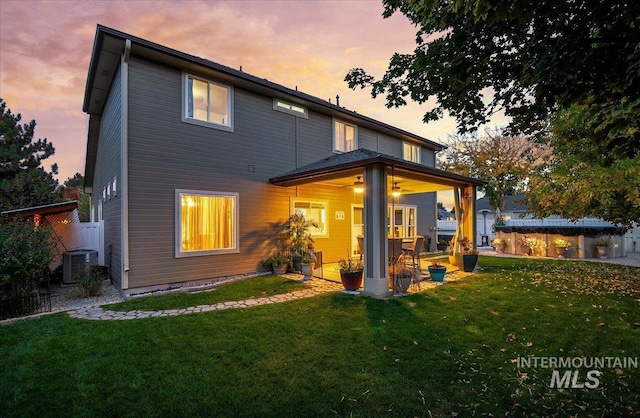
x=405, y=218
x=419, y=149
x=178, y=224
x=304, y=114
x=333, y=131
x=326, y=214
x=185, y=100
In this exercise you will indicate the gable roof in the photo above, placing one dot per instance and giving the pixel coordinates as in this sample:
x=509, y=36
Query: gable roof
x=515, y=203
x=109, y=45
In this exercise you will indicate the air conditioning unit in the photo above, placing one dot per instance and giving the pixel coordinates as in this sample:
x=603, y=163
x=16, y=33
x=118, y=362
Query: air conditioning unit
x=74, y=264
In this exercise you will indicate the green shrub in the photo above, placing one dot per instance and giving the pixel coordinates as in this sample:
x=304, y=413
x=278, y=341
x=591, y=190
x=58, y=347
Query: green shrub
x=89, y=283
x=26, y=253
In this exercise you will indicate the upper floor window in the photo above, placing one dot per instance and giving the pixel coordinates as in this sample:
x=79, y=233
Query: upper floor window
x=411, y=152
x=290, y=108
x=207, y=103
x=345, y=136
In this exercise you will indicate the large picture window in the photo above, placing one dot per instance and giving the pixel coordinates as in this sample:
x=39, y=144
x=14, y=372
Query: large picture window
x=207, y=103
x=206, y=223
x=345, y=136
x=313, y=211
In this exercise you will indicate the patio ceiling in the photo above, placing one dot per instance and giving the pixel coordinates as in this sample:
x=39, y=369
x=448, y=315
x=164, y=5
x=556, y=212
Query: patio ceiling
x=341, y=170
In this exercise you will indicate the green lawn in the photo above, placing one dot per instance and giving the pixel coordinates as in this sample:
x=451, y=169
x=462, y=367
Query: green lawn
x=448, y=351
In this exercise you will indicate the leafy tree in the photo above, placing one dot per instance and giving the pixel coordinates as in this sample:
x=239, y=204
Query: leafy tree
x=440, y=205
x=587, y=175
x=23, y=182
x=504, y=162
x=72, y=189
x=26, y=253
x=531, y=59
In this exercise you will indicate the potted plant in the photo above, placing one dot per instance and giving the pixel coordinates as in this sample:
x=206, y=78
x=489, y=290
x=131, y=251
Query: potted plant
x=527, y=244
x=499, y=244
x=351, y=273
x=294, y=235
x=602, y=245
x=279, y=262
x=400, y=277
x=562, y=246
x=468, y=257
x=437, y=271
x=307, y=264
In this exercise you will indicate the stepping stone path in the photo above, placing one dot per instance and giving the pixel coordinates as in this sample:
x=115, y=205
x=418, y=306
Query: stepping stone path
x=97, y=313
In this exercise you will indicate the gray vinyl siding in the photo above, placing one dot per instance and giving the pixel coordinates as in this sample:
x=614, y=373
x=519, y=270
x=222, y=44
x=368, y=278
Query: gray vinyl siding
x=428, y=157
x=108, y=167
x=166, y=154
x=426, y=213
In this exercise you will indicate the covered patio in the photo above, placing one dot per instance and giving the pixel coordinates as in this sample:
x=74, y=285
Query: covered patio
x=383, y=177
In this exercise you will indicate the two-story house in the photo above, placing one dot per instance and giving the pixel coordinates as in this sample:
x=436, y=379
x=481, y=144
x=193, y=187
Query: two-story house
x=189, y=162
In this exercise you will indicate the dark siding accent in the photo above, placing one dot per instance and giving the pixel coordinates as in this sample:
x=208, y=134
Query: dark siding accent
x=428, y=157
x=108, y=166
x=426, y=217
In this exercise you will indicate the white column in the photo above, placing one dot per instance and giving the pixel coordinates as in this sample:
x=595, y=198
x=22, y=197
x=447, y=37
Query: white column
x=375, y=231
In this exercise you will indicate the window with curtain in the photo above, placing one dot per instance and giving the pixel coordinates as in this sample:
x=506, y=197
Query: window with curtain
x=207, y=223
x=411, y=152
x=207, y=101
x=344, y=136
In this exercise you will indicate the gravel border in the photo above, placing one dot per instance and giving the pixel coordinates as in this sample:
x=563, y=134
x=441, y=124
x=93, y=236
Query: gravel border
x=67, y=297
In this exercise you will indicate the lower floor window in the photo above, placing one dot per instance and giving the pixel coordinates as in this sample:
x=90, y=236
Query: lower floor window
x=403, y=222
x=206, y=223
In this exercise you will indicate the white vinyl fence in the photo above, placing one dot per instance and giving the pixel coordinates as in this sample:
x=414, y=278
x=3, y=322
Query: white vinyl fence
x=93, y=233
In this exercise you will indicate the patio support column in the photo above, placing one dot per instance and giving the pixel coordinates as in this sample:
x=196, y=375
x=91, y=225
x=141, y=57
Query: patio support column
x=375, y=231
x=469, y=214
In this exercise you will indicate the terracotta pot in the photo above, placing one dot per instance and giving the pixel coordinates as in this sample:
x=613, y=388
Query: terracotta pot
x=351, y=281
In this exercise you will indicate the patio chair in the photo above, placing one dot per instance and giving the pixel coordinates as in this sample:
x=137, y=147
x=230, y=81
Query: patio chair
x=395, y=249
x=414, y=252
x=360, y=239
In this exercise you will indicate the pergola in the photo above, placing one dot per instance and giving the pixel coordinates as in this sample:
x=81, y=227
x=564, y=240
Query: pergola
x=379, y=172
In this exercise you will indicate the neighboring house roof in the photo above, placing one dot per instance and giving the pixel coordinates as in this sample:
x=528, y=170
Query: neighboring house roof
x=515, y=203
x=444, y=214
x=110, y=44
x=51, y=209
x=351, y=163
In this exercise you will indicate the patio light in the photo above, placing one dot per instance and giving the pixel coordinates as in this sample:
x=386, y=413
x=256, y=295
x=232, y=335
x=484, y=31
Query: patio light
x=395, y=190
x=358, y=186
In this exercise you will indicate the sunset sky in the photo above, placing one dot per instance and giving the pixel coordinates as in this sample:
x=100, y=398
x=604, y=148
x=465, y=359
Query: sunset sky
x=45, y=48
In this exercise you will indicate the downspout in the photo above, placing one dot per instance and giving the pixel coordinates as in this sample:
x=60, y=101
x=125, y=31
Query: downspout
x=124, y=155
